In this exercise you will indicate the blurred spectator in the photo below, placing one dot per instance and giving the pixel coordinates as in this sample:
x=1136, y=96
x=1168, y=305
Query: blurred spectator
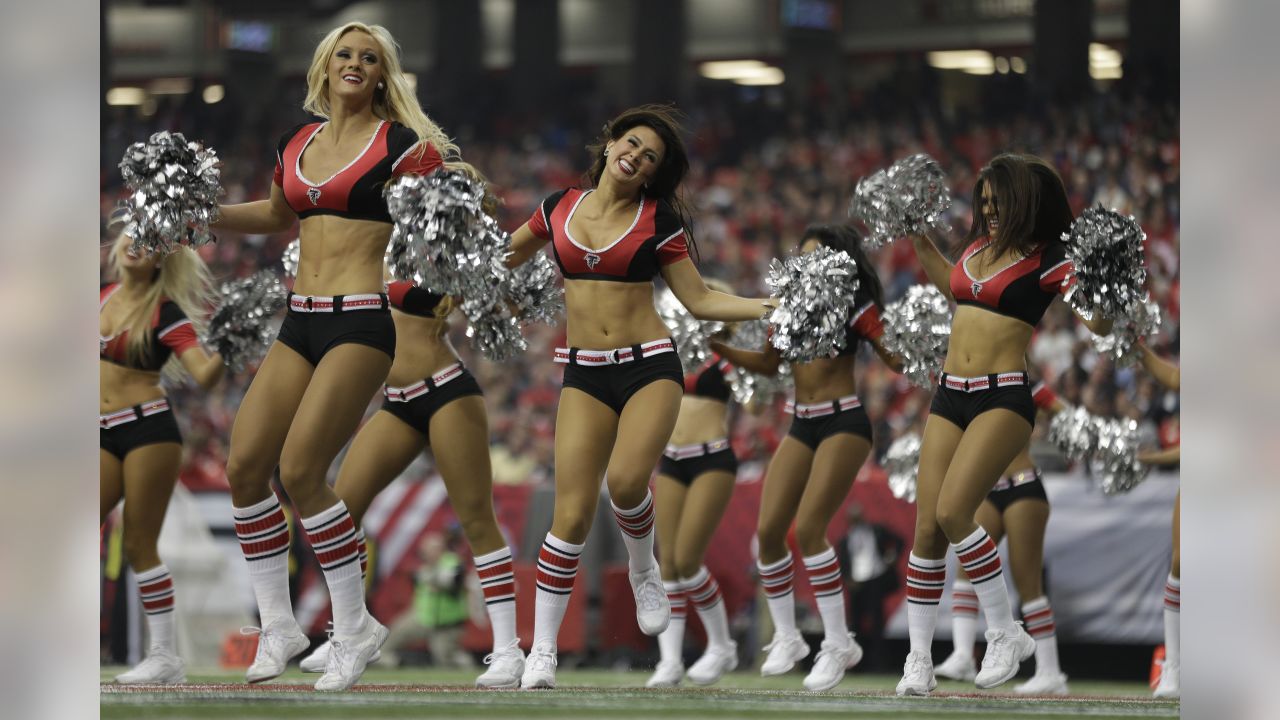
x=440, y=607
x=868, y=556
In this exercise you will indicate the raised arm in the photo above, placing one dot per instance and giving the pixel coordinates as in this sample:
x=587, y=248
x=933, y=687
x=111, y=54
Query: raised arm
x=523, y=245
x=260, y=217
x=205, y=368
x=1165, y=372
x=936, y=266
x=706, y=304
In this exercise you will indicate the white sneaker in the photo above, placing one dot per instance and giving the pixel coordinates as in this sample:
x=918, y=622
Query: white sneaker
x=505, y=667
x=1046, y=684
x=277, y=645
x=784, y=651
x=159, y=667
x=832, y=660
x=958, y=666
x=1006, y=649
x=666, y=674
x=714, y=663
x=917, y=675
x=653, y=609
x=1168, y=687
x=318, y=660
x=348, y=658
x=540, y=667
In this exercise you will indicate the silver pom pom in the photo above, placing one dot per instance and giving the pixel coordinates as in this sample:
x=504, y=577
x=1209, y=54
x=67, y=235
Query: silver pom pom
x=174, y=189
x=1127, y=331
x=442, y=239
x=289, y=259
x=816, y=292
x=1105, y=249
x=690, y=334
x=493, y=329
x=917, y=328
x=905, y=200
x=748, y=386
x=240, y=328
x=1075, y=432
x=1116, y=453
x=902, y=463
x=533, y=289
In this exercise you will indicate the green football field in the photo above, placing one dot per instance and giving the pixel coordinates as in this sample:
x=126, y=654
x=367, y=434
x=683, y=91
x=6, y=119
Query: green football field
x=427, y=692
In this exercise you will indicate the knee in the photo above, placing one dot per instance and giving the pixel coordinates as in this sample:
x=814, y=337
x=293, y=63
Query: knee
x=247, y=475
x=812, y=540
x=772, y=540
x=478, y=527
x=139, y=549
x=686, y=565
x=955, y=523
x=929, y=540
x=571, y=524
x=302, y=480
x=627, y=488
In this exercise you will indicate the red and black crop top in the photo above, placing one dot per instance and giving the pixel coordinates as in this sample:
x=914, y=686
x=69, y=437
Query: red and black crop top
x=709, y=380
x=1022, y=290
x=355, y=191
x=411, y=299
x=864, y=324
x=171, y=334
x=655, y=238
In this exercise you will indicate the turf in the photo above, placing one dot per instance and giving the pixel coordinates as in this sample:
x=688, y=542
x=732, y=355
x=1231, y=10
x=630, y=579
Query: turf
x=429, y=692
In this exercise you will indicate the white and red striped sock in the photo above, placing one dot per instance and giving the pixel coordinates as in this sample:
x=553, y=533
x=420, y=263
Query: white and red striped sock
x=671, y=640
x=362, y=548
x=981, y=561
x=332, y=536
x=498, y=582
x=964, y=617
x=155, y=586
x=636, y=525
x=778, y=578
x=1172, y=613
x=828, y=590
x=925, y=580
x=263, y=532
x=557, y=569
x=704, y=593
x=1037, y=617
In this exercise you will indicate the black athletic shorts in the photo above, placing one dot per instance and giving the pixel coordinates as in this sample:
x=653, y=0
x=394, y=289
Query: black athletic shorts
x=960, y=400
x=614, y=381
x=424, y=399
x=815, y=422
x=312, y=334
x=1023, y=486
x=152, y=424
x=685, y=467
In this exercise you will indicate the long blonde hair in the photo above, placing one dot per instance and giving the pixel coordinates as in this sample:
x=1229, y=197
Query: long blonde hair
x=396, y=103
x=181, y=277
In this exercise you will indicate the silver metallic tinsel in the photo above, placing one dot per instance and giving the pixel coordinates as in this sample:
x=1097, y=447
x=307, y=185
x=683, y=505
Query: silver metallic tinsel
x=1075, y=432
x=493, y=329
x=442, y=239
x=1110, y=443
x=902, y=463
x=816, y=292
x=1127, y=331
x=289, y=259
x=690, y=334
x=533, y=289
x=748, y=386
x=173, y=193
x=917, y=328
x=911, y=196
x=1105, y=249
x=240, y=327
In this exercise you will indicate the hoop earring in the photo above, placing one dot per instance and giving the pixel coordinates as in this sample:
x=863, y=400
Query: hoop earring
x=606, y=152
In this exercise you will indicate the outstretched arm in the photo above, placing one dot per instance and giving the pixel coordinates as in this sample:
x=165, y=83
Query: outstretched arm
x=1165, y=372
x=523, y=245
x=893, y=361
x=936, y=266
x=760, y=362
x=706, y=304
x=205, y=368
x=260, y=217
x=1161, y=457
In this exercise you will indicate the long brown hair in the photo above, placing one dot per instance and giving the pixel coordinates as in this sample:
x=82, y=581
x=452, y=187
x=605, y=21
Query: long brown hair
x=1031, y=203
x=665, y=184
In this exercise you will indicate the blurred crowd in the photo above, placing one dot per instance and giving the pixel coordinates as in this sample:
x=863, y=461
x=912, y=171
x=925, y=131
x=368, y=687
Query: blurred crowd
x=760, y=174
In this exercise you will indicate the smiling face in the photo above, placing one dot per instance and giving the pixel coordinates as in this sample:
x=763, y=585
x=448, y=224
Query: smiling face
x=634, y=158
x=989, y=209
x=355, y=67
x=128, y=260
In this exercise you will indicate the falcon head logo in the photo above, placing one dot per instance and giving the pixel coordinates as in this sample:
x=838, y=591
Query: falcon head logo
x=592, y=260
x=976, y=288
x=313, y=194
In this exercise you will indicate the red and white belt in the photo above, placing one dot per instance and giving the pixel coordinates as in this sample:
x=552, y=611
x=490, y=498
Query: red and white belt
x=983, y=382
x=1010, y=482
x=336, y=303
x=827, y=407
x=422, y=387
x=684, y=452
x=128, y=415
x=616, y=356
